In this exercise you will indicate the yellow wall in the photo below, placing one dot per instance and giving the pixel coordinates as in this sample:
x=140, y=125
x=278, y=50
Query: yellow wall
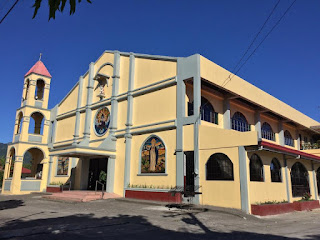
x=169, y=139
x=218, y=192
x=124, y=73
x=70, y=103
x=155, y=107
x=84, y=90
x=149, y=71
x=212, y=137
x=267, y=190
x=82, y=122
x=65, y=129
x=122, y=115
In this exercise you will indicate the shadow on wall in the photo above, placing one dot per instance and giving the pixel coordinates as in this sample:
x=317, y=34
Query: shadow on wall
x=9, y=204
x=83, y=226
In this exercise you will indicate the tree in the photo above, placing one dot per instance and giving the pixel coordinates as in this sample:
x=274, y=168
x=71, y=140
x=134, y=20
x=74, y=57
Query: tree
x=56, y=5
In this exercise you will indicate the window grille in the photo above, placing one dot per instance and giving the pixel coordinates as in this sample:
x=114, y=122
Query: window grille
x=240, y=123
x=288, y=140
x=275, y=169
x=207, y=112
x=266, y=132
x=219, y=167
x=299, y=180
x=256, y=169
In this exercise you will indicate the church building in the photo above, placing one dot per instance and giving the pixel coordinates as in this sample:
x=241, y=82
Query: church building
x=162, y=128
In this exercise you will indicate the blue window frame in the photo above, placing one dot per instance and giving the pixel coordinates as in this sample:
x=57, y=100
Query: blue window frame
x=206, y=111
x=239, y=122
x=266, y=132
x=288, y=140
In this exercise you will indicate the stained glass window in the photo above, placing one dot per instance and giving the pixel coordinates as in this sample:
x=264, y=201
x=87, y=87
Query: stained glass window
x=153, y=156
x=63, y=166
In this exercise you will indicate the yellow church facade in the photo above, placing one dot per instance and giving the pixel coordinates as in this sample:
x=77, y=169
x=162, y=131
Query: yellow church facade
x=163, y=126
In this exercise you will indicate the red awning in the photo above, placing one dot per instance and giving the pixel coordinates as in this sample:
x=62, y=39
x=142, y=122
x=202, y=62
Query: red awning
x=25, y=170
x=289, y=151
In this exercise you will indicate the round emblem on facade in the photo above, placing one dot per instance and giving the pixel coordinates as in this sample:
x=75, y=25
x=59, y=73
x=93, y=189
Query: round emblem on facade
x=102, y=121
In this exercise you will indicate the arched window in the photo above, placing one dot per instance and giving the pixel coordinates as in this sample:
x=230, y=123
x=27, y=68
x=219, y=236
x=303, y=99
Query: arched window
x=275, y=170
x=299, y=180
x=256, y=169
x=153, y=156
x=288, y=140
x=39, y=89
x=239, y=122
x=206, y=111
x=12, y=158
x=27, y=89
x=20, y=118
x=266, y=132
x=219, y=167
x=318, y=179
x=36, y=123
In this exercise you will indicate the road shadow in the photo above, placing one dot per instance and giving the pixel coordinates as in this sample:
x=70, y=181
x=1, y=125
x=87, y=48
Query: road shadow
x=9, y=204
x=85, y=226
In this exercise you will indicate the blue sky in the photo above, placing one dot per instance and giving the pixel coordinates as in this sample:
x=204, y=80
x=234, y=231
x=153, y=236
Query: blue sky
x=286, y=65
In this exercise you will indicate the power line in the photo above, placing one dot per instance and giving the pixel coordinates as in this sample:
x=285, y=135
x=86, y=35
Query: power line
x=258, y=33
x=9, y=11
x=274, y=26
x=254, y=39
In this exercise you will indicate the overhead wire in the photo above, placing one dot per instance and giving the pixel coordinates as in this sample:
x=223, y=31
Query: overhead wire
x=228, y=79
x=9, y=11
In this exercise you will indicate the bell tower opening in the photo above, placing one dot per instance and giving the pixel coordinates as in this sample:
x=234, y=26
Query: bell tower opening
x=39, y=89
x=36, y=123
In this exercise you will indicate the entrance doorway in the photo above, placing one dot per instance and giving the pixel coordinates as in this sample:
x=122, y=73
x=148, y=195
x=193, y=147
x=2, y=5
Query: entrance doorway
x=95, y=167
x=190, y=175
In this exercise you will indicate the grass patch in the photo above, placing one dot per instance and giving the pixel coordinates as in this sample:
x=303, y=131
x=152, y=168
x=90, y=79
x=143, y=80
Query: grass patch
x=271, y=202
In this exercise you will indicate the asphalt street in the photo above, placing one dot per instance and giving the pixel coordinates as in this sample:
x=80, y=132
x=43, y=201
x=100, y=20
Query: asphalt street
x=32, y=217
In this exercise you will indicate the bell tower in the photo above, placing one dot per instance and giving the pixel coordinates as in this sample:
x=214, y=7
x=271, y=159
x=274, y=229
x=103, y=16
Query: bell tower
x=27, y=155
x=36, y=86
x=32, y=117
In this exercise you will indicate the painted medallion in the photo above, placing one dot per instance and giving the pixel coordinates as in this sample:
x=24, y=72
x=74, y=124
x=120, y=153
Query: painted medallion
x=102, y=121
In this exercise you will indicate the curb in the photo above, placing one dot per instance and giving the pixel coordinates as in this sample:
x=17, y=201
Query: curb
x=201, y=208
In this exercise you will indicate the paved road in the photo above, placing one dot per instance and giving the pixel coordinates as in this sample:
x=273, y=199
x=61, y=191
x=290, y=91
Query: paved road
x=31, y=217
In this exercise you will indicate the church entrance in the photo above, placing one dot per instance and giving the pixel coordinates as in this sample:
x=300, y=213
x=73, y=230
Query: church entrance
x=96, y=166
